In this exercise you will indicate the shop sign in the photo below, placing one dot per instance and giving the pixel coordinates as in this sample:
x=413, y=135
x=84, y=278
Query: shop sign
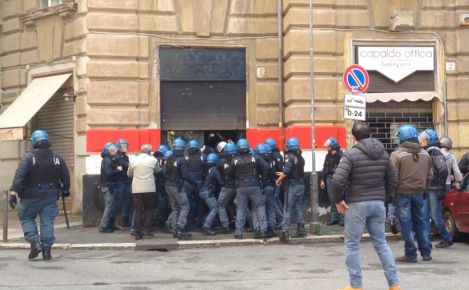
x=397, y=62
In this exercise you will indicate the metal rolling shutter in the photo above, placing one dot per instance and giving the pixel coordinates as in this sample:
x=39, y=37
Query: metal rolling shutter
x=57, y=118
x=203, y=105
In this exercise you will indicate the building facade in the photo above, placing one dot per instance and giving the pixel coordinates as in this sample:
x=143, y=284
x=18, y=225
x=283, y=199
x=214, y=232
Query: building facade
x=93, y=71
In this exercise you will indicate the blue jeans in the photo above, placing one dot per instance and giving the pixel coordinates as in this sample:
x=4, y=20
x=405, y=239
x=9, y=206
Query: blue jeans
x=432, y=209
x=335, y=216
x=212, y=205
x=412, y=219
x=47, y=210
x=109, y=205
x=371, y=214
x=294, y=203
x=127, y=200
x=117, y=193
x=225, y=197
x=179, y=206
x=244, y=195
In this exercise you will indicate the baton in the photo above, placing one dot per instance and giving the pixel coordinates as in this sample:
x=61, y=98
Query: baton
x=65, y=213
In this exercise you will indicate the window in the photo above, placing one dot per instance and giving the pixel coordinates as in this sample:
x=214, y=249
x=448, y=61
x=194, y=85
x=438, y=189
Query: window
x=49, y=3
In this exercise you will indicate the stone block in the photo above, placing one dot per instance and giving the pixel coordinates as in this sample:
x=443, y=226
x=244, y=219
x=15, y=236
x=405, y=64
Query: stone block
x=156, y=6
x=267, y=93
x=112, y=5
x=28, y=39
x=300, y=64
x=80, y=105
x=30, y=5
x=125, y=46
x=257, y=7
x=261, y=26
x=30, y=57
x=451, y=42
x=116, y=117
x=299, y=17
x=11, y=8
x=437, y=4
x=438, y=19
x=462, y=64
x=351, y=18
x=76, y=28
x=158, y=23
x=113, y=92
x=10, y=150
x=271, y=70
x=463, y=88
x=11, y=25
x=74, y=47
x=298, y=88
x=363, y=4
x=184, y=10
x=108, y=68
x=452, y=88
x=298, y=113
x=10, y=60
x=219, y=16
x=14, y=78
x=297, y=41
x=111, y=21
x=266, y=49
x=11, y=42
x=462, y=41
x=81, y=124
x=267, y=116
x=328, y=113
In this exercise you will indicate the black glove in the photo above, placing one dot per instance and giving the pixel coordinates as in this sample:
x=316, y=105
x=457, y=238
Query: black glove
x=65, y=193
x=12, y=201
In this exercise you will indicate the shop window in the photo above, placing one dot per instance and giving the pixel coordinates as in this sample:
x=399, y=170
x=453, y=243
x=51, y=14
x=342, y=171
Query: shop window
x=49, y=3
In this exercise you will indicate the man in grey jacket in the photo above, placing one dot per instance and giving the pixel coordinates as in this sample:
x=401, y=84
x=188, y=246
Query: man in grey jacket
x=367, y=173
x=143, y=169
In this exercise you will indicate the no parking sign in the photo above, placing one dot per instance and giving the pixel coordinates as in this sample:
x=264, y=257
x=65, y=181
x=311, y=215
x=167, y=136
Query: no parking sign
x=356, y=79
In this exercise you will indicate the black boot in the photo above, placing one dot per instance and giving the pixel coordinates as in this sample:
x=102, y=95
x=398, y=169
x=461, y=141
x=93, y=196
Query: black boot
x=125, y=222
x=284, y=237
x=208, y=231
x=112, y=225
x=46, y=256
x=105, y=230
x=35, y=250
x=300, y=232
x=270, y=233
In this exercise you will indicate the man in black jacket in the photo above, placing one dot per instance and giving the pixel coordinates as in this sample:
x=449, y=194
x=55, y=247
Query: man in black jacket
x=42, y=176
x=370, y=179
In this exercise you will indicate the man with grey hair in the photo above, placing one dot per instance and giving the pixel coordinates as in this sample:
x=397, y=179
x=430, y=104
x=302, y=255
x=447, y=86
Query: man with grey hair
x=143, y=169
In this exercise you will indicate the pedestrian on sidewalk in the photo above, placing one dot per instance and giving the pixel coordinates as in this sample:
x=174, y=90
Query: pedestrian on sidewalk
x=437, y=190
x=142, y=170
x=41, y=178
x=414, y=168
x=334, y=154
x=454, y=174
x=370, y=179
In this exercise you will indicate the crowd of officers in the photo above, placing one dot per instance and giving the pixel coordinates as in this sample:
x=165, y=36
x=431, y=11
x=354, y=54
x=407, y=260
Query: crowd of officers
x=248, y=189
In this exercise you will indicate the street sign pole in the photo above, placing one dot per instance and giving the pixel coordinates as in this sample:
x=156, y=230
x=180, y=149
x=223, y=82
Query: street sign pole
x=314, y=175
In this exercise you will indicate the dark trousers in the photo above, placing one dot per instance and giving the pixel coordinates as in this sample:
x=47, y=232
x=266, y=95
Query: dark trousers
x=144, y=204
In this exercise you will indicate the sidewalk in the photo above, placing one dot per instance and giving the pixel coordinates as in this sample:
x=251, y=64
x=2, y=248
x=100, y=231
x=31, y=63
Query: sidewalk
x=89, y=238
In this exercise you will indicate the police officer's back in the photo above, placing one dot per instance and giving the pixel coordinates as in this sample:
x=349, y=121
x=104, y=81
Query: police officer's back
x=41, y=177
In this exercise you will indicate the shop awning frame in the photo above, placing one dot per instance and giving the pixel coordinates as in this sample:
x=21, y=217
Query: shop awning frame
x=400, y=97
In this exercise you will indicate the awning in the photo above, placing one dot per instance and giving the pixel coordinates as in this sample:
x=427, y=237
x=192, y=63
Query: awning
x=399, y=97
x=31, y=100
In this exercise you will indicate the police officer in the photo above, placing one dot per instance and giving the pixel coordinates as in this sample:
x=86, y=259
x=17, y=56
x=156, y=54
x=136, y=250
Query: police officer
x=268, y=178
x=176, y=175
x=334, y=154
x=293, y=174
x=196, y=170
x=244, y=169
x=228, y=190
x=161, y=211
x=123, y=195
x=277, y=157
x=208, y=192
x=41, y=177
x=108, y=178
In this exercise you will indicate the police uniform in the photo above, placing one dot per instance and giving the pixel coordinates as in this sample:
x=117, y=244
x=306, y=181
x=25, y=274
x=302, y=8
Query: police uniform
x=294, y=171
x=41, y=177
x=244, y=169
x=227, y=193
x=195, y=169
x=122, y=192
x=108, y=180
x=208, y=193
x=268, y=167
x=161, y=211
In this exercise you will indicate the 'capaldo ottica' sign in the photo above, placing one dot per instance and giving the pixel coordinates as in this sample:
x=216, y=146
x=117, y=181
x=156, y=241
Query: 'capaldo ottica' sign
x=397, y=62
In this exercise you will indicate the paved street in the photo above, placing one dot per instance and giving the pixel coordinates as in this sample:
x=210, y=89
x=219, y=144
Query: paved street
x=250, y=267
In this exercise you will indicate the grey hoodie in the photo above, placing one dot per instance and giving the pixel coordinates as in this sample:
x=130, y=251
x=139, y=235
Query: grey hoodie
x=414, y=168
x=364, y=173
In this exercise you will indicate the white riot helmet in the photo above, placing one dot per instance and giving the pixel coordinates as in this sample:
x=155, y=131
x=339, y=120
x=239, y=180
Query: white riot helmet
x=221, y=146
x=446, y=142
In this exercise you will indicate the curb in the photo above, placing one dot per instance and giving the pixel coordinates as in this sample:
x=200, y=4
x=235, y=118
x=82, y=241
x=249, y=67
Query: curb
x=199, y=244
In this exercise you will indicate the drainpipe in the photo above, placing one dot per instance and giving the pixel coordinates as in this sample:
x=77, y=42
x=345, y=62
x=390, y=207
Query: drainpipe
x=280, y=69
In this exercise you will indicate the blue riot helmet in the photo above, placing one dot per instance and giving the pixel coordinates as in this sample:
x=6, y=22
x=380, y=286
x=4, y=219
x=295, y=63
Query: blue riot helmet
x=268, y=148
x=212, y=158
x=272, y=143
x=242, y=145
x=106, y=148
x=431, y=136
x=406, y=132
x=167, y=154
x=38, y=137
x=261, y=149
x=293, y=144
x=112, y=149
x=122, y=145
x=332, y=142
x=230, y=149
x=193, y=144
x=179, y=144
x=162, y=149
